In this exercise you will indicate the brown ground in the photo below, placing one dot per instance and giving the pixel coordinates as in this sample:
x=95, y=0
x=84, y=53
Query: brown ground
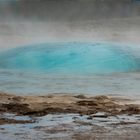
x=51, y=104
x=13, y=121
x=61, y=103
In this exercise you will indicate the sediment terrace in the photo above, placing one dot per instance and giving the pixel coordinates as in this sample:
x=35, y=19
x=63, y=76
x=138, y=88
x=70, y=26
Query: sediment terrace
x=62, y=103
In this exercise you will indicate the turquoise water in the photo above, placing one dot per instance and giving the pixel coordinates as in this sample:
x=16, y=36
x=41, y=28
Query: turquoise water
x=95, y=68
x=68, y=58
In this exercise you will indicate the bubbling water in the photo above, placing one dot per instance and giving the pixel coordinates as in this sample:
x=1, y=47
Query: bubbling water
x=68, y=58
x=77, y=68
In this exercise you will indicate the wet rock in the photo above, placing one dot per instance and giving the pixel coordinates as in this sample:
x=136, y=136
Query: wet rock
x=131, y=109
x=80, y=96
x=13, y=121
x=99, y=115
x=87, y=103
x=15, y=108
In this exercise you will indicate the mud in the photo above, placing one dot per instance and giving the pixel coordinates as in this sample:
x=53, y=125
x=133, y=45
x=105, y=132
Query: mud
x=13, y=121
x=56, y=104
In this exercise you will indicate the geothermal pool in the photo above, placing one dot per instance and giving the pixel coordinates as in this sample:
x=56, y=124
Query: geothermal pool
x=72, y=67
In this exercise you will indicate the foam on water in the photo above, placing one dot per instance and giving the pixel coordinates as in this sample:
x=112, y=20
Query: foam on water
x=89, y=68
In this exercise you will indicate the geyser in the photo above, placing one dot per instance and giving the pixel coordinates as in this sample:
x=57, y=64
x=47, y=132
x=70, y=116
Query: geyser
x=96, y=58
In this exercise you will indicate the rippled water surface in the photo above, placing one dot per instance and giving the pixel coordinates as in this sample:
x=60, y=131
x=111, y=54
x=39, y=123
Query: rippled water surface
x=91, y=68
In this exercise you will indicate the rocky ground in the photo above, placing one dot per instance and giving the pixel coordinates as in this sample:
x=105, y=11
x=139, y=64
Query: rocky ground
x=67, y=117
x=80, y=104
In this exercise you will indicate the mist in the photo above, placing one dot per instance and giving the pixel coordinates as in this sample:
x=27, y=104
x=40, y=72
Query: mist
x=29, y=22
